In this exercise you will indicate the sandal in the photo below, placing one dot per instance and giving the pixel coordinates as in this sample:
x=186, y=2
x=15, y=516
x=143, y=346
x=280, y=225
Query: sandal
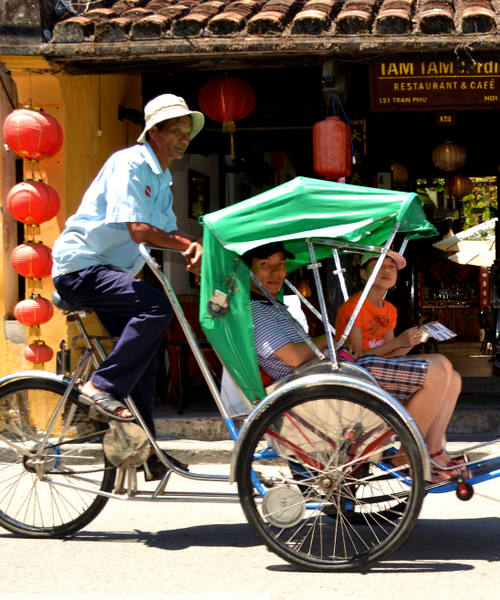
x=443, y=474
x=106, y=404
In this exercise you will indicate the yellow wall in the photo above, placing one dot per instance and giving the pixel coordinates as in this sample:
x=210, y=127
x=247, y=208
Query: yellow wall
x=86, y=107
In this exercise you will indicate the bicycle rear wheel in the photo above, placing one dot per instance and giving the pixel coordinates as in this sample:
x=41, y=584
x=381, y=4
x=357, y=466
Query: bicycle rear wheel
x=312, y=482
x=49, y=493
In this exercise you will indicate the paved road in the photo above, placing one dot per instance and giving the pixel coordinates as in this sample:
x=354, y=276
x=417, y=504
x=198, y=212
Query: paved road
x=192, y=552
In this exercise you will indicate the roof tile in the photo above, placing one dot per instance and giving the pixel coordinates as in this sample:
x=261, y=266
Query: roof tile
x=273, y=17
x=315, y=18
x=234, y=17
x=128, y=20
x=150, y=28
x=394, y=17
x=194, y=22
x=436, y=16
x=478, y=16
x=114, y=30
x=124, y=5
x=356, y=16
x=74, y=30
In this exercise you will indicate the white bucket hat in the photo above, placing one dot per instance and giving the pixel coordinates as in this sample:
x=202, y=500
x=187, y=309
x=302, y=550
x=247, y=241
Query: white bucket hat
x=168, y=106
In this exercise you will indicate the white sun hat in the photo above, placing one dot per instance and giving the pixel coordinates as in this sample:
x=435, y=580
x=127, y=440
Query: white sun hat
x=169, y=106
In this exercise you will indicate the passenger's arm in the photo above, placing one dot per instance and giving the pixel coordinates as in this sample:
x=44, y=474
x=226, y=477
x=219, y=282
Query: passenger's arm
x=392, y=346
x=177, y=240
x=295, y=354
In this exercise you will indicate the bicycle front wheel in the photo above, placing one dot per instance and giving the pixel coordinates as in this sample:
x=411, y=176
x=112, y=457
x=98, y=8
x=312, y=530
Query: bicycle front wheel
x=49, y=479
x=314, y=482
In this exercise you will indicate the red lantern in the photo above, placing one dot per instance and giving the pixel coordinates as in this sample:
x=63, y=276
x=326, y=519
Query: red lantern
x=33, y=311
x=32, y=134
x=449, y=156
x=459, y=186
x=33, y=202
x=227, y=99
x=32, y=260
x=332, y=148
x=38, y=352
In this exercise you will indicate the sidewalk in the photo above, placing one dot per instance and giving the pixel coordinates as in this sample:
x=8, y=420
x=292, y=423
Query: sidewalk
x=201, y=431
x=202, y=437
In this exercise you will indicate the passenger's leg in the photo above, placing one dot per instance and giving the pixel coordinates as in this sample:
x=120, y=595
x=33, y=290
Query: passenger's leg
x=436, y=434
x=433, y=406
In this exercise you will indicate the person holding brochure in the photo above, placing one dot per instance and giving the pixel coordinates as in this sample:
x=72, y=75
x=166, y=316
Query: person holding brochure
x=426, y=384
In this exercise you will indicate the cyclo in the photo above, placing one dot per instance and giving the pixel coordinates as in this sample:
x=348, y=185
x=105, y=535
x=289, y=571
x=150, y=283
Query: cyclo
x=310, y=458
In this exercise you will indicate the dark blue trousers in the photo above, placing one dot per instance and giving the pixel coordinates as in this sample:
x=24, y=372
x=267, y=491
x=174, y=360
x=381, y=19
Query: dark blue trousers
x=138, y=314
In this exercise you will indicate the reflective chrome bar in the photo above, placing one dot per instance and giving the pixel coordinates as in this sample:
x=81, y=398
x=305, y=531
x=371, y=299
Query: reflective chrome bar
x=339, y=271
x=285, y=312
x=314, y=266
x=186, y=328
x=305, y=301
x=145, y=495
x=368, y=286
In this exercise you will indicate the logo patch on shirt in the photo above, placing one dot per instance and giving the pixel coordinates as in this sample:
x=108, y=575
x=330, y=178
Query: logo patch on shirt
x=147, y=191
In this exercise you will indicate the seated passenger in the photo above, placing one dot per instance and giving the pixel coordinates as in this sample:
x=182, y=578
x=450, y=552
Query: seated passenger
x=280, y=349
x=426, y=384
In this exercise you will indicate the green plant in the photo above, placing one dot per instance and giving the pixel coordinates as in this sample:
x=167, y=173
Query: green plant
x=482, y=203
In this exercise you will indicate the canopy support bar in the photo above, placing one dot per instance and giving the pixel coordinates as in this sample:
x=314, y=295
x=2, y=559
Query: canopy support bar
x=279, y=306
x=368, y=286
x=314, y=266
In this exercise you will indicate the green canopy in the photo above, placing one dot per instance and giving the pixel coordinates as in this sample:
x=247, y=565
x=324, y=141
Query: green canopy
x=300, y=209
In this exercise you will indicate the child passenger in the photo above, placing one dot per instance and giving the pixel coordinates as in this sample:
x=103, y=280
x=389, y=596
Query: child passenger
x=426, y=384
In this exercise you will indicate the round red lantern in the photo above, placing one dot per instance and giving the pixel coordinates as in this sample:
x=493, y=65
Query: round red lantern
x=32, y=260
x=34, y=311
x=399, y=173
x=459, y=186
x=33, y=202
x=32, y=134
x=38, y=352
x=332, y=148
x=227, y=99
x=449, y=156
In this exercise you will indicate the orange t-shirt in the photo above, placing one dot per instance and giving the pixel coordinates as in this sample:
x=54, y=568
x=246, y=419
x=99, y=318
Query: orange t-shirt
x=373, y=321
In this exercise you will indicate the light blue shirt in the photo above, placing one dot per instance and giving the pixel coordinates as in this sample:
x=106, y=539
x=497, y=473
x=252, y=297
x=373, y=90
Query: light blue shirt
x=131, y=187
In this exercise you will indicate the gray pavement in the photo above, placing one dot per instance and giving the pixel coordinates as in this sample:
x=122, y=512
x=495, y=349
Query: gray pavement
x=192, y=552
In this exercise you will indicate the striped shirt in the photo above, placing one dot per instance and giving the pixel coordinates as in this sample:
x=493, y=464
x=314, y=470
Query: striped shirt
x=272, y=331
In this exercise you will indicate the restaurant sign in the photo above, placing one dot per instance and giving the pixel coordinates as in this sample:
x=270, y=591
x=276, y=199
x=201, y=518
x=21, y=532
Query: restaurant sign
x=430, y=85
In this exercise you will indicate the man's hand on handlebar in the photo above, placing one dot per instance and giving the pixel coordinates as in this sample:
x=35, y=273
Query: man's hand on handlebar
x=192, y=255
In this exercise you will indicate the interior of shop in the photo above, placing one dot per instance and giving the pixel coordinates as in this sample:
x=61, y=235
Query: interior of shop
x=393, y=149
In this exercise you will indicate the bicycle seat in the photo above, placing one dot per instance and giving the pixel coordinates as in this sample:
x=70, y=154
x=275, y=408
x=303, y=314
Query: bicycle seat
x=66, y=306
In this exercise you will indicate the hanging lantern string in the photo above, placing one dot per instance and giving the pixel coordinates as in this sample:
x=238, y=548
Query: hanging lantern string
x=337, y=101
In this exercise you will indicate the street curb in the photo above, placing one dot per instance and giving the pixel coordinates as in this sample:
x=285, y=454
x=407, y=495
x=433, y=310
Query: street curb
x=475, y=420
x=467, y=420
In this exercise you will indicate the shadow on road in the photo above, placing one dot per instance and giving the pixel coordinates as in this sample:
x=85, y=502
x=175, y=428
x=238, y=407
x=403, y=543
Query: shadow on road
x=453, y=539
x=436, y=545
x=216, y=535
